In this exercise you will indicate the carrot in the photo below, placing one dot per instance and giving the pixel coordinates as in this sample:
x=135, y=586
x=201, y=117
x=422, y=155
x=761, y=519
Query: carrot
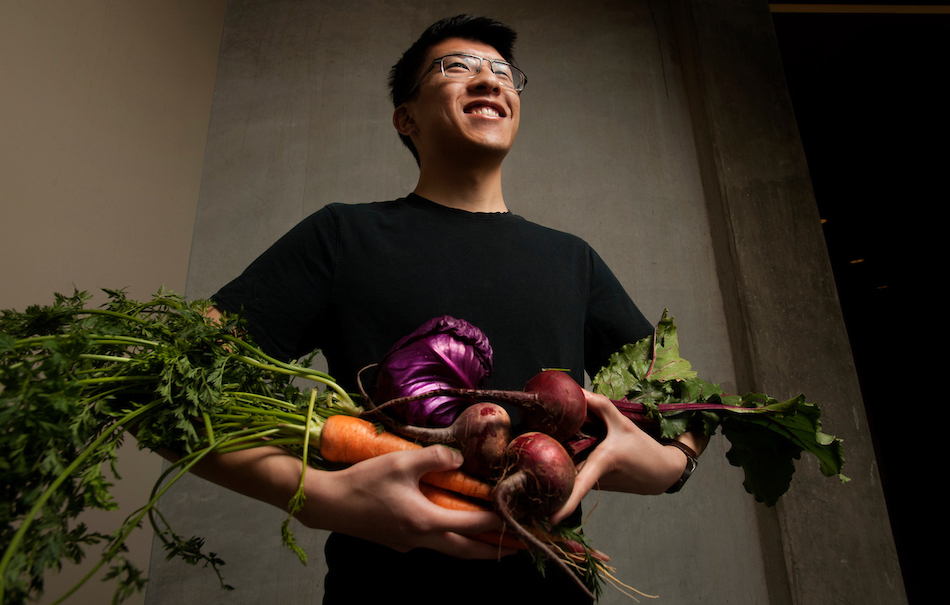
x=460, y=483
x=348, y=440
x=453, y=501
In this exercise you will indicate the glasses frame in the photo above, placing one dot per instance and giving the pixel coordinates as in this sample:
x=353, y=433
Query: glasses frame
x=481, y=61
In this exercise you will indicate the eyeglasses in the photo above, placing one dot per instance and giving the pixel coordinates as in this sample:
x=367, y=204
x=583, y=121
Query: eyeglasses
x=468, y=66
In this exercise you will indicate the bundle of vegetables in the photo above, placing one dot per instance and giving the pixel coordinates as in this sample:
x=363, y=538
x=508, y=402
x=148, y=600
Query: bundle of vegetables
x=74, y=381
x=653, y=386
x=428, y=389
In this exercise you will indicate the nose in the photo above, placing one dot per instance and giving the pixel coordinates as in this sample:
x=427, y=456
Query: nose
x=486, y=78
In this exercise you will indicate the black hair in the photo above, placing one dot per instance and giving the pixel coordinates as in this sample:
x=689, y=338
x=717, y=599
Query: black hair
x=407, y=70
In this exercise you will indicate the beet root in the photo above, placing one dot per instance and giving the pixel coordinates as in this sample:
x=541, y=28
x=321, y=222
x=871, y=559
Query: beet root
x=539, y=478
x=563, y=406
x=538, y=481
x=482, y=433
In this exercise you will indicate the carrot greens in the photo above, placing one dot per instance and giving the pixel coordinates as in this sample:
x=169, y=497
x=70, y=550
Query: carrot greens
x=76, y=380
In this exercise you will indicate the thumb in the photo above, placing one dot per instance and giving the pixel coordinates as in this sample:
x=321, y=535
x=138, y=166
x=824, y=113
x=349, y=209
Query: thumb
x=585, y=481
x=601, y=406
x=436, y=458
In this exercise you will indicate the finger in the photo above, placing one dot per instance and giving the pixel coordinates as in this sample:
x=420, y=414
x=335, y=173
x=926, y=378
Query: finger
x=452, y=527
x=461, y=521
x=596, y=399
x=453, y=517
x=602, y=407
x=434, y=458
x=440, y=459
x=585, y=481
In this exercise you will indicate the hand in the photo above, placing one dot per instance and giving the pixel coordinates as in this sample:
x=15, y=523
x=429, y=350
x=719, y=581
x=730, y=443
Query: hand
x=379, y=500
x=627, y=460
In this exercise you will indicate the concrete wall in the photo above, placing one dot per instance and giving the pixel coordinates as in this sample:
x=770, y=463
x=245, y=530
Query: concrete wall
x=104, y=110
x=661, y=133
x=824, y=543
x=605, y=151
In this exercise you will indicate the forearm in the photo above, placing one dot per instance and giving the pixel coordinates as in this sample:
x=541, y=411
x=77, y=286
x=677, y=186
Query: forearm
x=377, y=500
x=266, y=473
x=628, y=459
x=644, y=465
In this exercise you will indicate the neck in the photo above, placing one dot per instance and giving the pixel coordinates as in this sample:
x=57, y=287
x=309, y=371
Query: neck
x=475, y=189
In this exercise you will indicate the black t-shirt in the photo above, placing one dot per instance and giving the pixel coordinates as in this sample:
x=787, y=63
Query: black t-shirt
x=352, y=280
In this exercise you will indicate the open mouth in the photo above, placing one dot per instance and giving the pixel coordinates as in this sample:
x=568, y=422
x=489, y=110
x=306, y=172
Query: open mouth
x=485, y=110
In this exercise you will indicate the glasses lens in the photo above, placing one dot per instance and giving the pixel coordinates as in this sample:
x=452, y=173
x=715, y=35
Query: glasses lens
x=460, y=66
x=509, y=75
x=505, y=73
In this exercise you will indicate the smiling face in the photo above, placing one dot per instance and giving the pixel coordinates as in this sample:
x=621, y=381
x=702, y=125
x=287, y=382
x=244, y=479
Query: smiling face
x=461, y=118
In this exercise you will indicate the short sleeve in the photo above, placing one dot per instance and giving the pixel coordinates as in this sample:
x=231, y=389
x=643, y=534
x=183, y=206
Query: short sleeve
x=613, y=319
x=287, y=288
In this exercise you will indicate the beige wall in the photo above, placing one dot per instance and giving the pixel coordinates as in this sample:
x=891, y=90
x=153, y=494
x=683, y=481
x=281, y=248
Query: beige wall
x=104, y=110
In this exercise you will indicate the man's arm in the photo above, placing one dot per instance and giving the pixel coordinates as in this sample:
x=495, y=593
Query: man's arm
x=628, y=459
x=376, y=500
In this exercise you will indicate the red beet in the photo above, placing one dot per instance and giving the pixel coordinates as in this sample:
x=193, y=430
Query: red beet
x=563, y=406
x=481, y=432
x=538, y=481
x=539, y=478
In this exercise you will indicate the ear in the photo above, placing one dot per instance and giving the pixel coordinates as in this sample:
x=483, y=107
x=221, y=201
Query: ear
x=403, y=122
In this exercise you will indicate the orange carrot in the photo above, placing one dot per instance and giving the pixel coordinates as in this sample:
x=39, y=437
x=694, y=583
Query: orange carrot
x=348, y=440
x=460, y=483
x=453, y=501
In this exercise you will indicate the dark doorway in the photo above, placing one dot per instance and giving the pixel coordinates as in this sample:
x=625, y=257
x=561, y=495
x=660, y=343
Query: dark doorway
x=869, y=94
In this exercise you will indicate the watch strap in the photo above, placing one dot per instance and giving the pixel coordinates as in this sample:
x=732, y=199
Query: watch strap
x=691, y=463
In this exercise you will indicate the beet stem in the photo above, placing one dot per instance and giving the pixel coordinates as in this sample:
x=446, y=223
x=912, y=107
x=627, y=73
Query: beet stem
x=526, y=400
x=632, y=407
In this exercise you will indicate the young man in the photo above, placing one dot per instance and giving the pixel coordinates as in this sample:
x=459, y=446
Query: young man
x=354, y=279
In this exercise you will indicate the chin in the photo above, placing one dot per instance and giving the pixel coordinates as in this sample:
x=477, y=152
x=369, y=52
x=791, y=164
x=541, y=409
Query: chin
x=494, y=144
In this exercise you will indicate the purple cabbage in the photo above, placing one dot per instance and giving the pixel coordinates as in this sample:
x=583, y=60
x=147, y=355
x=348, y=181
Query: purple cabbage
x=442, y=353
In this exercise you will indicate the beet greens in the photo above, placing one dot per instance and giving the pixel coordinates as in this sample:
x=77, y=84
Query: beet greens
x=652, y=385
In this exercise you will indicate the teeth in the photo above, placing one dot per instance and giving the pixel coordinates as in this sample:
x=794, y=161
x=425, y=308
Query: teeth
x=485, y=111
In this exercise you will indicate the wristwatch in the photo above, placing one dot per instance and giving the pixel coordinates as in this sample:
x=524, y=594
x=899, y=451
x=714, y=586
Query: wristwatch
x=691, y=463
